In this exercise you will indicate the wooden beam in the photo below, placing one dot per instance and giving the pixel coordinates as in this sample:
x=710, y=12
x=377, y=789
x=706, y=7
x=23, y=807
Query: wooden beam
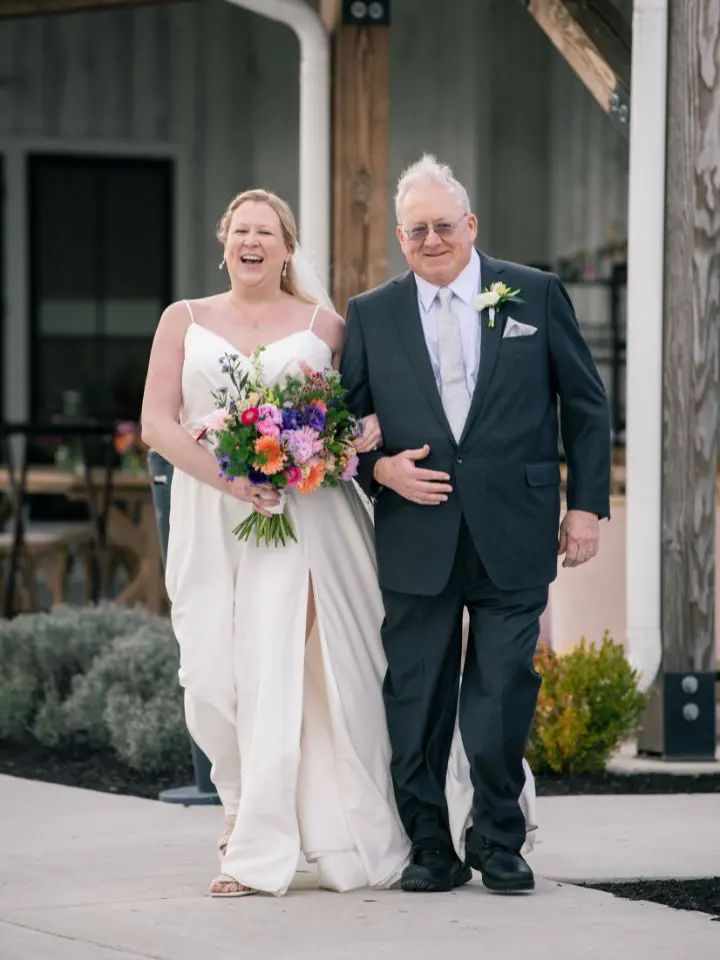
x=361, y=100
x=35, y=8
x=595, y=40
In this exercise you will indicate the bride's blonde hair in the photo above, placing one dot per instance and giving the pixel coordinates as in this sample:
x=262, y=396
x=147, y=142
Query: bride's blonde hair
x=288, y=281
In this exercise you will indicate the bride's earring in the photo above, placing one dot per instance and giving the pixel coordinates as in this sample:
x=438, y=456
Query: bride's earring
x=221, y=264
x=284, y=269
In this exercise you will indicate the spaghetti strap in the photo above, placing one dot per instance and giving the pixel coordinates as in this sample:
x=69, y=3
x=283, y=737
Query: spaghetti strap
x=187, y=304
x=314, y=317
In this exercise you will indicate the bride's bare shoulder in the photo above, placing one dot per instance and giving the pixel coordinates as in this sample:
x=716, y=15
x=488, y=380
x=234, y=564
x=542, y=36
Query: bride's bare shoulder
x=330, y=327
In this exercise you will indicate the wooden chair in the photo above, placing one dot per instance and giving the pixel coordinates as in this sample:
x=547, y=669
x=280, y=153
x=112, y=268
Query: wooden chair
x=49, y=554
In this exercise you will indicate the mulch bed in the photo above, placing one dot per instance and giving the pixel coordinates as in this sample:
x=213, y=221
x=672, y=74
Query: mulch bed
x=702, y=896
x=627, y=783
x=92, y=770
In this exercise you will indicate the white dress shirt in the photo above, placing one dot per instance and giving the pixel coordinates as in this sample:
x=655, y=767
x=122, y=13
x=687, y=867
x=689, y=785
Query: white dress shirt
x=465, y=288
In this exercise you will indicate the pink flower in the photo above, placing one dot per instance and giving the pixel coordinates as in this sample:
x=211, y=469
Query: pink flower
x=351, y=469
x=293, y=476
x=267, y=428
x=269, y=420
x=268, y=411
x=217, y=420
x=249, y=417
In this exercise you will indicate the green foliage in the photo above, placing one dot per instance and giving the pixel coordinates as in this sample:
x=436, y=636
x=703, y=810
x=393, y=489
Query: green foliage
x=105, y=676
x=588, y=703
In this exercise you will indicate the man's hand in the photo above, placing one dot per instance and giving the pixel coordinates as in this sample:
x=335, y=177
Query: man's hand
x=400, y=473
x=579, y=537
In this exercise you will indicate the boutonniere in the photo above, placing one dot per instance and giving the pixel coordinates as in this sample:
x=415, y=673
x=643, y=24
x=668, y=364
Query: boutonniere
x=494, y=297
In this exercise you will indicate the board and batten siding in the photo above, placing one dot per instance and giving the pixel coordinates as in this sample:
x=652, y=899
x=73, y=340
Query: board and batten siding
x=216, y=88
x=213, y=84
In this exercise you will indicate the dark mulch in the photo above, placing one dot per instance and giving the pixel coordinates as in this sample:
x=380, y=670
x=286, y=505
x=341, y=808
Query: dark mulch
x=81, y=767
x=700, y=895
x=93, y=770
x=628, y=783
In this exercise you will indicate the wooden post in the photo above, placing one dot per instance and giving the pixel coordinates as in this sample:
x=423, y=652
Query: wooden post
x=685, y=688
x=361, y=101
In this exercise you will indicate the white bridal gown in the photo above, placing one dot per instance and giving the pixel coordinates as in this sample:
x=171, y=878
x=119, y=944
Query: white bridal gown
x=296, y=735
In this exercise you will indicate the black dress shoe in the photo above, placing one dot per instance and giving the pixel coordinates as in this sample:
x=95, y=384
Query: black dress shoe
x=433, y=871
x=503, y=870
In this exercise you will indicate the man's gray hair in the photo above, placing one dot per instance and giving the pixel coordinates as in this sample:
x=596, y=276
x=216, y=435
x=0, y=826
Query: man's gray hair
x=429, y=170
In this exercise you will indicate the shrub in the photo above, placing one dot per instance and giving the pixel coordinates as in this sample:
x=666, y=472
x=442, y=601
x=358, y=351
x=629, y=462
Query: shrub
x=105, y=675
x=588, y=703
x=130, y=700
x=42, y=653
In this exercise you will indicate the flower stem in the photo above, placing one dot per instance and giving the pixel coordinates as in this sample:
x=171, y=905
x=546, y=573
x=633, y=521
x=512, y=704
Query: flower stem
x=269, y=531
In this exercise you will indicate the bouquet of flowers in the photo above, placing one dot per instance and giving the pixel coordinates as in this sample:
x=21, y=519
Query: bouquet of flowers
x=298, y=435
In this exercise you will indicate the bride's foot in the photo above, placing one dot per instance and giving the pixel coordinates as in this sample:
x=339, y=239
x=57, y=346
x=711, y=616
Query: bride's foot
x=225, y=838
x=225, y=886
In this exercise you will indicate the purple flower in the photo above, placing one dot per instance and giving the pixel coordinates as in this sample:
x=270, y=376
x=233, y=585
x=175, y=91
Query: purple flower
x=290, y=419
x=301, y=444
x=314, y=417
x=223, y=463
x=254, y=476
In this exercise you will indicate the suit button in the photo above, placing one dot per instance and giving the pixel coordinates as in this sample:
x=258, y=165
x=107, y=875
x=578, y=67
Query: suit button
x=458, y=459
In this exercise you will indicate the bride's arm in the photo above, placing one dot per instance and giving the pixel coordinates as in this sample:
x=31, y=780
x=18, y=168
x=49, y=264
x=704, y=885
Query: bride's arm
x=162, y=399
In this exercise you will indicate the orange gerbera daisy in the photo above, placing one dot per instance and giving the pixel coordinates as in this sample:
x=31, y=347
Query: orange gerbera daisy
x=273, y=458
x=314, y=478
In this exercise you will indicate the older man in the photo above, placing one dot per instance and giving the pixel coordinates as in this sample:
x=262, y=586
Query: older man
x=465, y=378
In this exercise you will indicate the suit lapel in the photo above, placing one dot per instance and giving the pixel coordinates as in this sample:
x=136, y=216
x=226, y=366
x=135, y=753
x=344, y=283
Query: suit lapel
x=407, y=317
x=490, y=338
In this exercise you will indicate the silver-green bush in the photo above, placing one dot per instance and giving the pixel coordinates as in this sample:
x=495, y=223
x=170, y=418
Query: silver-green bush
x=105, y=675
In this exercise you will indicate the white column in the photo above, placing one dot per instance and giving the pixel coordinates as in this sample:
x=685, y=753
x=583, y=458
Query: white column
x=646, y=237
x=314, y=206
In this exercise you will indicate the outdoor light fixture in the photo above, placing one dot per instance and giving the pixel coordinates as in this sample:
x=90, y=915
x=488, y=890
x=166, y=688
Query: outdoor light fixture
x=366, y=13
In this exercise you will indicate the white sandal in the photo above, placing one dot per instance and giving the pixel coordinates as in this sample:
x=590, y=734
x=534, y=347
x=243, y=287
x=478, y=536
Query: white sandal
x=241, y=891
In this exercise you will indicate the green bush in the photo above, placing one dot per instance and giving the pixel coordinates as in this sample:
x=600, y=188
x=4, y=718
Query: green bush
x=130, y=700
x=105, y=676
x=588, y=704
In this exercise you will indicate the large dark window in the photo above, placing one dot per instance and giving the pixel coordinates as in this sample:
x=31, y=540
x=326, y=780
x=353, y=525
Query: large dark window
x=100, y=275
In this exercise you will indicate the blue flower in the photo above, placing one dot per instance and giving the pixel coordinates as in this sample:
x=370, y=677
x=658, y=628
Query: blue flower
x=257, y=478
x=314, y=417
x=290, y=419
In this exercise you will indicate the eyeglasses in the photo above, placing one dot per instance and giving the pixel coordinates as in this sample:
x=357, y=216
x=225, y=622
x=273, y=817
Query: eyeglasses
x=442, y=229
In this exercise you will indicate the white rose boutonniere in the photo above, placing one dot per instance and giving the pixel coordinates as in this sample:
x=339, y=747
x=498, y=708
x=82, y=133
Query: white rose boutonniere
x=494, y=297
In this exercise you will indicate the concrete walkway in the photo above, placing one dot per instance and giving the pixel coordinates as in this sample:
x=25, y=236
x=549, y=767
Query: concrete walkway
x=89, y=876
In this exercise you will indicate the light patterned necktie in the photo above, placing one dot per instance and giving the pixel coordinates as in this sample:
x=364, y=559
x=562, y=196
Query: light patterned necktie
x=453, y=383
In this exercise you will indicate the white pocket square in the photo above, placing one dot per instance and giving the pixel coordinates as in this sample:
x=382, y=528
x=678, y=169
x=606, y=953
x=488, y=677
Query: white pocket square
x=513, y=328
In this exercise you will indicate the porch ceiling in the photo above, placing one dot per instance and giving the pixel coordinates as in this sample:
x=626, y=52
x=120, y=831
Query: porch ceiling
x=595, y=37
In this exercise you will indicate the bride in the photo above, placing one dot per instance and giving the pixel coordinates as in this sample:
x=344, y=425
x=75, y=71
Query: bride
x=280, y=652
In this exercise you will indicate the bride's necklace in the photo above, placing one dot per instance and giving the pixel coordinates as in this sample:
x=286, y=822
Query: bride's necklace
x=254, y=324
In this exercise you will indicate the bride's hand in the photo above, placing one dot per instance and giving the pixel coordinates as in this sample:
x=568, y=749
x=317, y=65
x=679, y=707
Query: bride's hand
x=258, y=495
x=372, y=437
